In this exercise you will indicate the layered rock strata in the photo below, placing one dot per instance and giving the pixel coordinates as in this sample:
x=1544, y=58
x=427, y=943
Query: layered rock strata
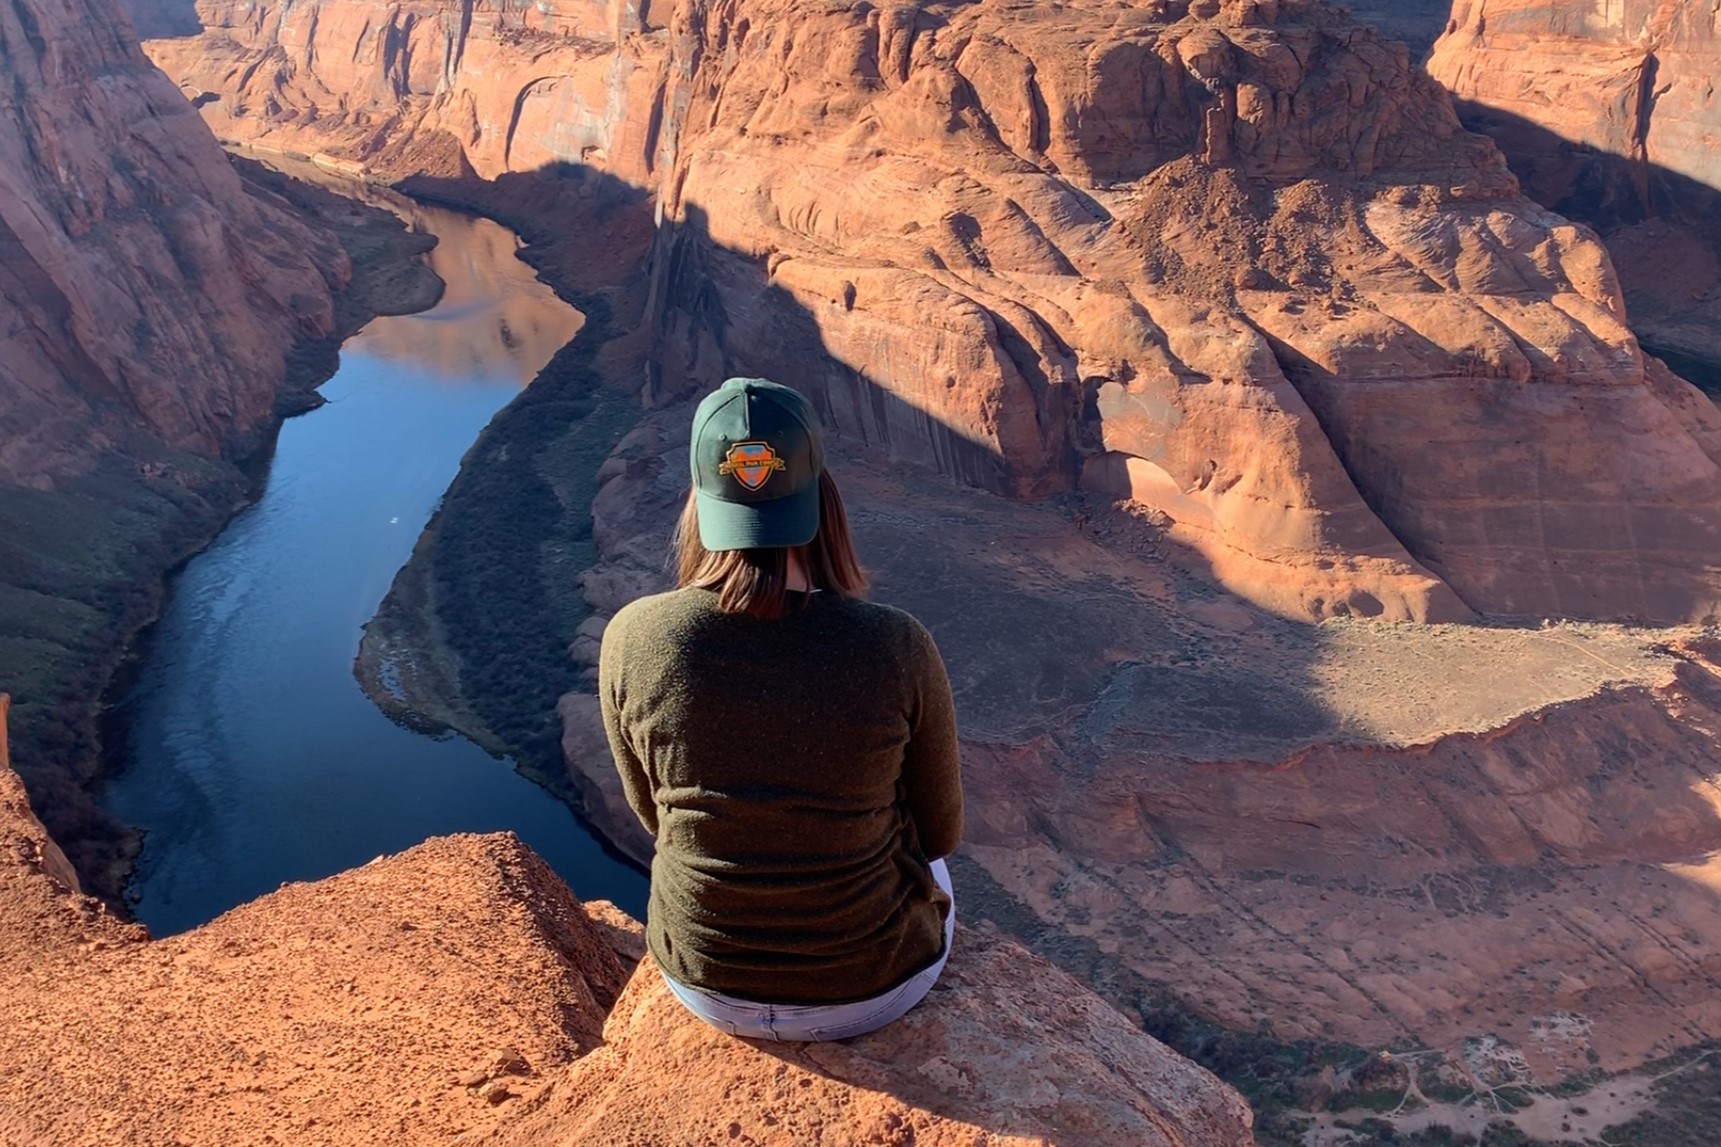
x=1235, y=261
x=405, y=88
x=1608, y=113
x=458, y=993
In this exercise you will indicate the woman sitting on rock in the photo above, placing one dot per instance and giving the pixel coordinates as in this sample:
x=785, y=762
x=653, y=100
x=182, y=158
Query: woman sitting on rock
x=791, y=747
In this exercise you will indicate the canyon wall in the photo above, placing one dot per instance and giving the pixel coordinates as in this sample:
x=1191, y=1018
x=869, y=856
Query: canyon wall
x=458, y=993
x=149, y=303
x=1235, y=261
x=1608, y=113
x=424, y=87
x=144, y=289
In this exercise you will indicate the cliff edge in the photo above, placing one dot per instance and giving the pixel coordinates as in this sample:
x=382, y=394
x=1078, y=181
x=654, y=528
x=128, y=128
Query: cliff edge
x=458, y=993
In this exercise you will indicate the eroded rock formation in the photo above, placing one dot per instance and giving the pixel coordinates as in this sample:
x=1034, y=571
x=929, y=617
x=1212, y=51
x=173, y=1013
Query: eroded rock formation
x=458, y=993
x=1608, y=113
x=1236, y=261
x=429, y=87
x=144, y=289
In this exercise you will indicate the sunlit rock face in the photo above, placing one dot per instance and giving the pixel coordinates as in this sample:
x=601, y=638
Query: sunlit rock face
x=424, y=86
x=1235, y=261
x=141, y=287
x=1608, y=112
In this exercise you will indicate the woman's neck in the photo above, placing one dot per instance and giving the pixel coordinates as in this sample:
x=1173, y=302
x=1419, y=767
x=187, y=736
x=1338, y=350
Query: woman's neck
x=795, y=578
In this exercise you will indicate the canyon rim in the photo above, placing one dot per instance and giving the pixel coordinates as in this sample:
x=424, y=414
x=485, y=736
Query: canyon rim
x=1368, y=563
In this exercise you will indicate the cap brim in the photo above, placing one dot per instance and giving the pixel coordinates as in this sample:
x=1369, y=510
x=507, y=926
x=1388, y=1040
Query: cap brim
x=777, y=524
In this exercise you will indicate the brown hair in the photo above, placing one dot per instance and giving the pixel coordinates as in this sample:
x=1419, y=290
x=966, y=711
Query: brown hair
x=755, y=582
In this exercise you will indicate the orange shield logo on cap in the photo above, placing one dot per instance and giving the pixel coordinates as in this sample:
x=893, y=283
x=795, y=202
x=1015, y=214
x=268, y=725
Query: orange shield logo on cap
x=751, y=463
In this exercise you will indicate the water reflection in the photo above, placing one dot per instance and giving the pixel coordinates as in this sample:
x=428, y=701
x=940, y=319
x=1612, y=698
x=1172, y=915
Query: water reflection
x=250, y=755
x=493, y=320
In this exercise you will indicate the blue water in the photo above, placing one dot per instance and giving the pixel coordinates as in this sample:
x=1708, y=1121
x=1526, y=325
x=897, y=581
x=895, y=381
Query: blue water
x=250, y=756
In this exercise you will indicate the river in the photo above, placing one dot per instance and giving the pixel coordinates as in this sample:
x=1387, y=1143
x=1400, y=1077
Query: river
x=249, y=755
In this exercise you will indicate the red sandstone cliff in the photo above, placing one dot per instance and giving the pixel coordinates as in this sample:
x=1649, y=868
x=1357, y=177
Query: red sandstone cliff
x=144, y=290
x=458, y=993
x=411, y=86
x=149, y=301
x=1237, y=261
x=1608, y=113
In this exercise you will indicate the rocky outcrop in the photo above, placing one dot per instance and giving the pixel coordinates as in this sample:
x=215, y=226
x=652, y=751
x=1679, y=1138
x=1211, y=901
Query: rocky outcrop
x=1234, y=261
x=1006, y=1051
x=1313, y=331
x=1608, y=114
x=144, y=288
x=458, y=993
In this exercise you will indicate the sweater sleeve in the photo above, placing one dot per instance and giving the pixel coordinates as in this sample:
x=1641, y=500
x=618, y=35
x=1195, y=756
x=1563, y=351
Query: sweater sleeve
x=932, y=767
x=635, y=782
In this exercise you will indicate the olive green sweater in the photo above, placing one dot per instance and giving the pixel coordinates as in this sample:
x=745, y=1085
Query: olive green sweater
x=797, y=774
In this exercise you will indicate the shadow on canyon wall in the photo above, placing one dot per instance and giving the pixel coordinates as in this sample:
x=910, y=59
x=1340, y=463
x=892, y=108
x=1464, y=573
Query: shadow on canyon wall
x=1417, y=22
x=1665, y=270
x=163, y=19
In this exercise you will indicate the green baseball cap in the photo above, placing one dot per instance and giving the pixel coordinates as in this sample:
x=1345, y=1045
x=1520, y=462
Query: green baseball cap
x=756, y=461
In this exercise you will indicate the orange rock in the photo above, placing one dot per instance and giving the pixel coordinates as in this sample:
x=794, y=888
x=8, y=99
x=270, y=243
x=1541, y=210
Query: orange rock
x=146, y=293
x=1235, y=261
x=1006, y=1051
x=512, y=87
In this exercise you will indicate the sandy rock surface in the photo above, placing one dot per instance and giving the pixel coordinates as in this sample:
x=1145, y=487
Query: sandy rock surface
x=1005, y=1051
x=144, y=289
x=1237, y=261
x=441, y=996
x=1608, y=114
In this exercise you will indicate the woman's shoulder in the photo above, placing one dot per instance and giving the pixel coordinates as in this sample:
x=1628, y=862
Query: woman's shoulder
x=658, y=612
x=889, y=622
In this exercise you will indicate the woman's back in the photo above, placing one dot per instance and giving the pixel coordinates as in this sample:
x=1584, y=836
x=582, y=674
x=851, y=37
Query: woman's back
x=798, y=773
